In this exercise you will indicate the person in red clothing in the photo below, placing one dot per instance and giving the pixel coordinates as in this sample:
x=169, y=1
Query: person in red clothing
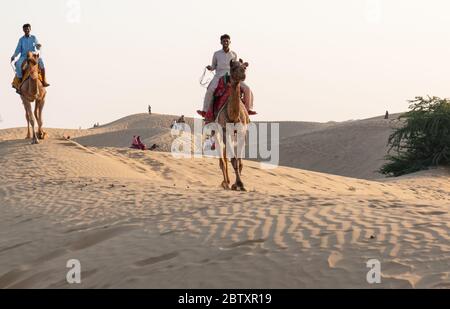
x=137, y=144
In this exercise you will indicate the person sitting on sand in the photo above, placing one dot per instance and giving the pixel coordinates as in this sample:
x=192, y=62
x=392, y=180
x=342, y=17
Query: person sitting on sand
x=134, y=143
x=213, y=140
x=210, y=142
x=207, y=144
x=137, y=144
x=221, y=66
x=141, y=144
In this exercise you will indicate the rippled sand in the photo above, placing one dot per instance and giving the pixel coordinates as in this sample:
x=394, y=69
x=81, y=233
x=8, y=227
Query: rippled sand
x=148, y=220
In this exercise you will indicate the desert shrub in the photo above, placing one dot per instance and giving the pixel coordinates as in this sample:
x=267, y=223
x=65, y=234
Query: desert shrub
x=423, y=140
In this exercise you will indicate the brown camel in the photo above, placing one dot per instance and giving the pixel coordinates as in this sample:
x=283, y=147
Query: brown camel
x=32, y=90
x=234, y=112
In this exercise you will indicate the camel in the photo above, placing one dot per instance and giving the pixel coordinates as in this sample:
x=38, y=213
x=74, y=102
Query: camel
x=32, y=90
x=233, y=112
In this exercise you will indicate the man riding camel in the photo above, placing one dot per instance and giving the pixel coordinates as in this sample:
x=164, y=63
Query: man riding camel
x=221, y=65
x=28, y=43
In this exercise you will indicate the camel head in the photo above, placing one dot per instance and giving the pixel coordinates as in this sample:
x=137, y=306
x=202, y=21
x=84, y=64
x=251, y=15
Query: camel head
x=237, y=70
x=31, y=90
x=32, y=61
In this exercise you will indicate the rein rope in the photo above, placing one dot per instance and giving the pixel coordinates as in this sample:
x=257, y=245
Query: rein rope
x=202, y=81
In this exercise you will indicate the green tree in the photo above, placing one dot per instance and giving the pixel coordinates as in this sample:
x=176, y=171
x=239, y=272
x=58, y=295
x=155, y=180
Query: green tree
x=423, y=140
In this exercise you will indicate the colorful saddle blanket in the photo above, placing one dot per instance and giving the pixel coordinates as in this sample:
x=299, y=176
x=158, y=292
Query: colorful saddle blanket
x=221, y=95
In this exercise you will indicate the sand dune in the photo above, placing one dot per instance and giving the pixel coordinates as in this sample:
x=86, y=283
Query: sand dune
x=146, y=219
x=351, y=148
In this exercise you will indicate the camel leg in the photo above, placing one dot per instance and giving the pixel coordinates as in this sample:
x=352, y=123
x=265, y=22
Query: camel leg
x=226, y=167
x=41, y=107
x=38, y=114
x=223, y=163
x=31, y=119
x=239, y=185
x=227, y=176
x=28, y=124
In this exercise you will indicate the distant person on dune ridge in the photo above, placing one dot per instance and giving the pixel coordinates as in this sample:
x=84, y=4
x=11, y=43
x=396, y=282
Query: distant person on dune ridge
x=221, y=65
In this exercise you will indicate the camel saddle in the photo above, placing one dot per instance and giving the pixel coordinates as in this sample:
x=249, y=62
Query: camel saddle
x=16, y=83
x=221, y=95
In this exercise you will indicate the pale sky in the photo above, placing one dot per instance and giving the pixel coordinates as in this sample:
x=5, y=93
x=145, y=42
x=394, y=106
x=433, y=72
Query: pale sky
x=310, y=60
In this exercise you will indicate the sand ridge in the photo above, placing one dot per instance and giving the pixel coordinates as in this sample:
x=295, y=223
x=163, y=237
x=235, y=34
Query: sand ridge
x=353, y=148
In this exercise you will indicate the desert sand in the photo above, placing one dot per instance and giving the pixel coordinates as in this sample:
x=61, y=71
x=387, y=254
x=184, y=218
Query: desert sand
x=143, y=219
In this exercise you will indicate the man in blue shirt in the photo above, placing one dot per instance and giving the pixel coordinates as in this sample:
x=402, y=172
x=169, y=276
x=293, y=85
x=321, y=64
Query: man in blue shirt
x=28, y=43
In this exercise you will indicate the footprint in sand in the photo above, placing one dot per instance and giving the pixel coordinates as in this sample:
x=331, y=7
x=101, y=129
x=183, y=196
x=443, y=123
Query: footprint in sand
x=334, y=258
x=15, y=246
x=245, y=243
x=432, y=213
x=393, y=268
x=99, y=236
x=157, y=259
x=32, y=280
